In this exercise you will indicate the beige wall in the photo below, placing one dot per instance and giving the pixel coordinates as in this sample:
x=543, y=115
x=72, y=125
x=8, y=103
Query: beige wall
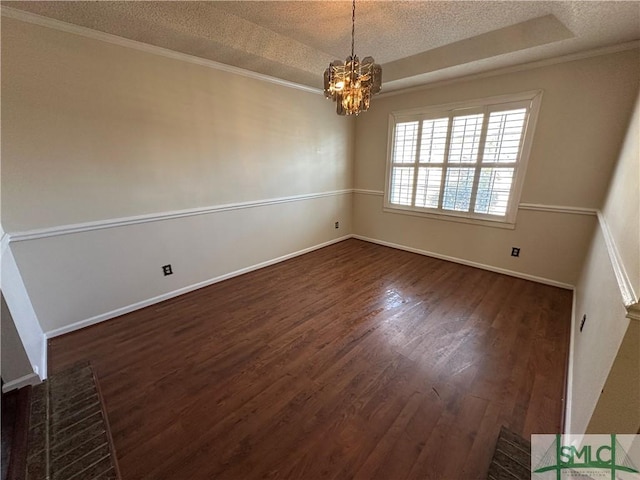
x=595, y=348
x=584, y=113
x=618, y=408
x=622, y=205
x=94, y=132
x=606, y=361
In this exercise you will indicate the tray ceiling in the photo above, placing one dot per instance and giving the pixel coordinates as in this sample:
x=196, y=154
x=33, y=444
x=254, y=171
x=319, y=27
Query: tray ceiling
x=417, y=42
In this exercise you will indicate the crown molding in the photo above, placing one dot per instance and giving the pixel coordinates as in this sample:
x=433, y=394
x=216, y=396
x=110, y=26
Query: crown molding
x=571, y=57
x=59, y=25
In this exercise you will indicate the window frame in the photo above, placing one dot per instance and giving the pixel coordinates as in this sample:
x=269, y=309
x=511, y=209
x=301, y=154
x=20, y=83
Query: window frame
x=530, y=99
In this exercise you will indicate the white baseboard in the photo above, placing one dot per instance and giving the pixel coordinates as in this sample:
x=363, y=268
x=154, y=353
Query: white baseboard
x=166, y=296
x=29, y=379
x=469, y=263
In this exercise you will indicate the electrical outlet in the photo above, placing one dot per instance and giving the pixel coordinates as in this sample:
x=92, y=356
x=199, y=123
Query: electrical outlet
x=584, y=319
x=337, y=224
x=515, y=251
x=166, y=269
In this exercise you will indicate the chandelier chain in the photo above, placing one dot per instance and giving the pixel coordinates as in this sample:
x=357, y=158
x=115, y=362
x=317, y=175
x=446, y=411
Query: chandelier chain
x=353, y=27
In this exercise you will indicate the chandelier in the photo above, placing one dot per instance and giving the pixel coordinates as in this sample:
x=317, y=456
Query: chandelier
x=352, y=83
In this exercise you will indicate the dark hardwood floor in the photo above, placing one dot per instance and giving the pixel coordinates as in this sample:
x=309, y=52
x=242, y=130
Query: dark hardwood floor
x=353, y=361
x=15, y=427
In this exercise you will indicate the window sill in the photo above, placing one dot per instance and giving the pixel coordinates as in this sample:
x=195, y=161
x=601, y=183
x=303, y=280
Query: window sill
x=450, y=218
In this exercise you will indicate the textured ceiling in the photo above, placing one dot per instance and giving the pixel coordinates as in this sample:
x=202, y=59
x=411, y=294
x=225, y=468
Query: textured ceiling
x=416, y=42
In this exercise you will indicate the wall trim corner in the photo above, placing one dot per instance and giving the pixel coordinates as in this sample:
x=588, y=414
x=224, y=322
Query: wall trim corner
x=629, y=297
x=633, y=312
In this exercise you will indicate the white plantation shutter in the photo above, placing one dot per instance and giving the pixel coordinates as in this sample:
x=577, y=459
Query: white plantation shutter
x=433, y=144
x=457, y=189
x=494, y=188
x=402, y=181
x=462, y=162
x=406, y=140
x=504, y=132
x=404, y=152
x=465, y=138
x=428, y=187
x=464, y=143
x=434, y=140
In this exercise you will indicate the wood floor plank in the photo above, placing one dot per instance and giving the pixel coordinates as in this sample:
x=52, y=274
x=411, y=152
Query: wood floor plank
x=353, y=361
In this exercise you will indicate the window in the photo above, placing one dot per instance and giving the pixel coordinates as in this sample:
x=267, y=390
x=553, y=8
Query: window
x=464, y=160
